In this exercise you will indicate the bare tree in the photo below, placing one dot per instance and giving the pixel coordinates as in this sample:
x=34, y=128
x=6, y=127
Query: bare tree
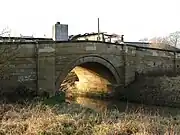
x=5, y=32
x=160, y=42
x=156, y=40
x=7, y=53
x=174, y=38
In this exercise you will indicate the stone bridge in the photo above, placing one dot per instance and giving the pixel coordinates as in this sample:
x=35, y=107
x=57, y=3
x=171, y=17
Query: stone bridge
x=99, y=66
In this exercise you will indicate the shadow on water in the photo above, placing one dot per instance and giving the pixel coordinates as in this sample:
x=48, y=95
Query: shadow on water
x=103, y=105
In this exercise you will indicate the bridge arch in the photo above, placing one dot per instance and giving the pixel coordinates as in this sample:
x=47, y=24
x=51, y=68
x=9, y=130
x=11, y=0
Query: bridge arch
x=91, y=69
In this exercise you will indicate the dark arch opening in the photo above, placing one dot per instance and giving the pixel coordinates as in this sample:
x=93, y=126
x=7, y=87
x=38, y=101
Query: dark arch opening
x=89, y=77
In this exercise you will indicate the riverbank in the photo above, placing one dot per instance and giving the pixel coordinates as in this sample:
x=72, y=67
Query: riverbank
x=163, y=91
x=46, y=118
x=71, y=119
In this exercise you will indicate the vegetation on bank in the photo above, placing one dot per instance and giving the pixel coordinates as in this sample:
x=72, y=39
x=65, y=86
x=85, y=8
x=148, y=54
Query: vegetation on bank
x=163, y=91
x=56, y=117
x=72, y=119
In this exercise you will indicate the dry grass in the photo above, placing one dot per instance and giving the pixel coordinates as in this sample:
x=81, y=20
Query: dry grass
x=67, y=119
x=72, y=119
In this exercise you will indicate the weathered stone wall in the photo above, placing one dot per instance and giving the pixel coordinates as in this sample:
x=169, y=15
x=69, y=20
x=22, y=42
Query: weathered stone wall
x=149, y=62
x=20, y=66
x=155, y=65
x=130, y=64
x=43, y=66
x=46, y=68
x=149, y=88
x=70, y=55
x=30, y=64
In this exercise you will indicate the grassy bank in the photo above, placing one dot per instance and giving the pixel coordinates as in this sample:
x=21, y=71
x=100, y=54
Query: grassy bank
x=67, y=119
x=36, y=118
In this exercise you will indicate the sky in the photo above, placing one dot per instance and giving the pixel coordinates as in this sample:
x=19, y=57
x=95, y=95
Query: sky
x=135, y=19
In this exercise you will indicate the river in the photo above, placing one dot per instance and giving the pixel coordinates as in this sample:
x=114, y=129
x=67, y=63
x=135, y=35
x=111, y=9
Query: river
x=103, y=105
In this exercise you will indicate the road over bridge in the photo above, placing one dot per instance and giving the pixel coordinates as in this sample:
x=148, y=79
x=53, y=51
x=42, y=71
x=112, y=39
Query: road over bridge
x=99, y=66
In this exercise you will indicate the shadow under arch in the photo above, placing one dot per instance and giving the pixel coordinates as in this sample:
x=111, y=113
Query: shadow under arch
x=91, y=69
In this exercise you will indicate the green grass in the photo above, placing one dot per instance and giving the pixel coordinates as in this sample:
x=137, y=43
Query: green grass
x=55, y=99
x=72, y=119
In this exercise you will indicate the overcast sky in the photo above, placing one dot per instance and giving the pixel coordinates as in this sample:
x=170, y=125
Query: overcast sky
x=134, y=18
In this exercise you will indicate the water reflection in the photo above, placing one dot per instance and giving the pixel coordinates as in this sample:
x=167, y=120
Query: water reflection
x=102, y=105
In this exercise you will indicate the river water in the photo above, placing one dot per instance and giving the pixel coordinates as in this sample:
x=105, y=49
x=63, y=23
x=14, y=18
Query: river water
x=102, y=105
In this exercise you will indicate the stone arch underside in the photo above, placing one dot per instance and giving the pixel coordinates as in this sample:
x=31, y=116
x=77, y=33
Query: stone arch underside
x=90, y=74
